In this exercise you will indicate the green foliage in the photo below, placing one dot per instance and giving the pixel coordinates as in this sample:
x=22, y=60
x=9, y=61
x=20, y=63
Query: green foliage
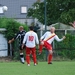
x=3, y=22
x=41, y=57
x=16, y=55
x=57, y=11
x=67, y=17
x=12, y=27
x=67, y=47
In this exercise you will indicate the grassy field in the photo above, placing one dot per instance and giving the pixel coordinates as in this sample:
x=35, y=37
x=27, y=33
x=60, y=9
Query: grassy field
x=57, y=68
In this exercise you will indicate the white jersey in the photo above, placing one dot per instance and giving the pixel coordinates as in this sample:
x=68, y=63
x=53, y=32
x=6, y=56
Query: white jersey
x=31, y=39
x=49, y=34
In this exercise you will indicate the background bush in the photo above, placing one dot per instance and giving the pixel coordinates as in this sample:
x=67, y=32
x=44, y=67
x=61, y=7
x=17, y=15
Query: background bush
x=66, y=48
x=12, y=27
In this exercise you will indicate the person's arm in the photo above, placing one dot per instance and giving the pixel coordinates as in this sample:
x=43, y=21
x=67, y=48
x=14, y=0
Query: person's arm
x=24, y=40
x=15, y=37
x=37, y=41
x=73, y=24
x=57, y=38
x=43, y=36
x=10, y=41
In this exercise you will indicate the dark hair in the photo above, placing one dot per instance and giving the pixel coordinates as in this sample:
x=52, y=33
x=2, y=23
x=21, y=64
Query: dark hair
x=31, y=28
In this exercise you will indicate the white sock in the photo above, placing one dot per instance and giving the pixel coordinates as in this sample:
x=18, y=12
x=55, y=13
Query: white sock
x=22, y=59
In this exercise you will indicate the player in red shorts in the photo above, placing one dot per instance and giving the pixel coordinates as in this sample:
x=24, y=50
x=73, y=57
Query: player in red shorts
x=31, y=39
x=46, y=41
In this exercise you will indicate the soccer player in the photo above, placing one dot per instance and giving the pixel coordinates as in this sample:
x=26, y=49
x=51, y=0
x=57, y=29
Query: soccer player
x=46, y=41
x=20, y=35
x=31, y=39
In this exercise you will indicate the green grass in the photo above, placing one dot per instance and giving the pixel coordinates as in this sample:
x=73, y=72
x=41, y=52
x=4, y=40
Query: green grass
x=57, y=68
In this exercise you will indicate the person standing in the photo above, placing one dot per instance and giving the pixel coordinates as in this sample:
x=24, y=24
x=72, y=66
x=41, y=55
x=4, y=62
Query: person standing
x=20, y=35
x=31, y=39
x=46, y=41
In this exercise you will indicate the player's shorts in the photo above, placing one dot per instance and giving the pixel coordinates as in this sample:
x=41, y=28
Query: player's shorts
x=30, y=50
x=47, y=45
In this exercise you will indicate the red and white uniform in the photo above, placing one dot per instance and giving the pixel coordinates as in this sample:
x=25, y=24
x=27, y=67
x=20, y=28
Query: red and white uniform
x=47, y=39
x=31, y=39
x=47, y=35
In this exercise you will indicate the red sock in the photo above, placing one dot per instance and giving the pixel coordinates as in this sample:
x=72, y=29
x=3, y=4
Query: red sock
x=28, y=59
x=40, y=48
x=49, y=58
x=34, y=58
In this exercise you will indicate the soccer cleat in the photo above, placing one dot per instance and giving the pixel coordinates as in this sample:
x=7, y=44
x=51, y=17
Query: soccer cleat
x=22, y=62
x=28, y=64
x=50, y=63
x=35, y=64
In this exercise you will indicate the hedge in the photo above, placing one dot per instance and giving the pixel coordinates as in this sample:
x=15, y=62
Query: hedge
x=66, y=48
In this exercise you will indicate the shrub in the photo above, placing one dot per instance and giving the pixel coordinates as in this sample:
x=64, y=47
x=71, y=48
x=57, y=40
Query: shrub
x=67, y=47
x=12, y=27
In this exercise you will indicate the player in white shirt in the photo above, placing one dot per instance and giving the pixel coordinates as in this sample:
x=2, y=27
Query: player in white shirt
x=46, y=41
x=31, y=39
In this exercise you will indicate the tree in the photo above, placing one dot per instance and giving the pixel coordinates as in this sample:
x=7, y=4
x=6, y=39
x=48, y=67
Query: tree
x=57, y=11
